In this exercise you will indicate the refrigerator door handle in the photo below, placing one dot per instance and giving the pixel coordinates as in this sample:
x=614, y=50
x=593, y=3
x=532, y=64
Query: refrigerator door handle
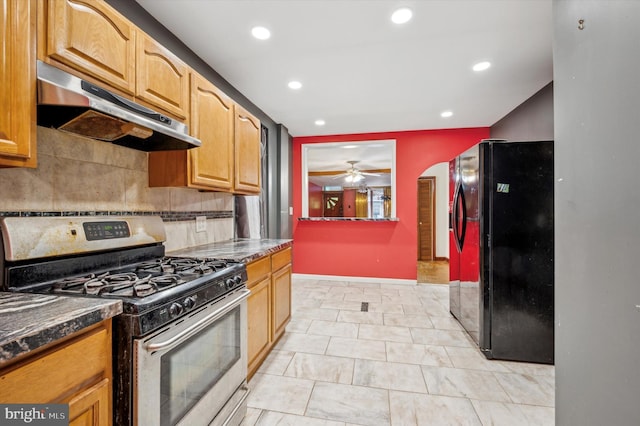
x=458, y=234
x=464, y=218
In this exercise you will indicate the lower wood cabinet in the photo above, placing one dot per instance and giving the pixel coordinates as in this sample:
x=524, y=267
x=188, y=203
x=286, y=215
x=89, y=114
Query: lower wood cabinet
x=268, y=306
x=75, y=372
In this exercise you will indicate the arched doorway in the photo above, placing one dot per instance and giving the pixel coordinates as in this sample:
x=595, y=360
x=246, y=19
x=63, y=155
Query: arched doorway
x=433, y=229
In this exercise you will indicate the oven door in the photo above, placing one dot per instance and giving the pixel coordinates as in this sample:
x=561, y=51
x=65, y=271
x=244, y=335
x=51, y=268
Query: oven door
x=186, y=372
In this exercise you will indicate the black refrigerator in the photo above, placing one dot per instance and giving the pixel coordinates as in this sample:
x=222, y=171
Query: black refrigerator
x=501, y=248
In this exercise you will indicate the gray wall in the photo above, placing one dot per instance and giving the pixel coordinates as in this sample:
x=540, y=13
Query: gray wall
x=531, y=121
x=135, y=13
x=597, y=242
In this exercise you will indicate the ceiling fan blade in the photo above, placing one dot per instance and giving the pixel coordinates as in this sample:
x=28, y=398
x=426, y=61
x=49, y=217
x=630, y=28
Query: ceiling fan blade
x=369, y=174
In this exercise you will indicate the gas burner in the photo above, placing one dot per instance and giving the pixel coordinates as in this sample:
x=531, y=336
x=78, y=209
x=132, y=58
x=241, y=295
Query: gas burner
x=108, y=284
x=166, y=280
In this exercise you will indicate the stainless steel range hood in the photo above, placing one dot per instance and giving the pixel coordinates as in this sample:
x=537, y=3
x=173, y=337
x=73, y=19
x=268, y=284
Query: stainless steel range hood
x=71, y=104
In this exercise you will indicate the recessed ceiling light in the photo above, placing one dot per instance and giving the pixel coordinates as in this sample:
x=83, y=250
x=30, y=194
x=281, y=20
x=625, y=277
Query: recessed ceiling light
x=295, y=85
x=401, y=16
x=261, y=33
x=446, y=114
x=320, y=122
x=481, y=66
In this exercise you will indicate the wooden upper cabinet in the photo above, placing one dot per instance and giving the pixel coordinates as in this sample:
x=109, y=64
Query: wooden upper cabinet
x=247, y=152
x=212, y=115
x=209, y=166
x=91, y=37
x=17, y=83
x=162, y=79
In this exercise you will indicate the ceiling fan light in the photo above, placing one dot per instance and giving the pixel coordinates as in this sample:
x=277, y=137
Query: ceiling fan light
x=349, y=178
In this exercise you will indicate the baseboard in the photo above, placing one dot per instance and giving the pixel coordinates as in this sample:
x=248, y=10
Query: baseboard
x=354, y=279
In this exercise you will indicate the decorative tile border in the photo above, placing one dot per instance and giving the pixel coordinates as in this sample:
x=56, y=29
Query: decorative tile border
x=167, y=216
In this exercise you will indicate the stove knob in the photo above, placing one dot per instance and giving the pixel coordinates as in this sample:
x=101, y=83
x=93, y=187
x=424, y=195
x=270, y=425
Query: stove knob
x=238, y=279
x=175, y=309
x=189, y=302
x=229, y=283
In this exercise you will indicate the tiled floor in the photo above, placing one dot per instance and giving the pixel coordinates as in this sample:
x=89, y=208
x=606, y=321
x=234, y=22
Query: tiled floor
x=404, y=362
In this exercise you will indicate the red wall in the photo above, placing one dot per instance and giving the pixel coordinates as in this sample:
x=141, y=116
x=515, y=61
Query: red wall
x=374, y=249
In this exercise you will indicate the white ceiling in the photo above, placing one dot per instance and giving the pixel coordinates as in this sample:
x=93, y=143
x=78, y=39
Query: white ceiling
x=360, y=72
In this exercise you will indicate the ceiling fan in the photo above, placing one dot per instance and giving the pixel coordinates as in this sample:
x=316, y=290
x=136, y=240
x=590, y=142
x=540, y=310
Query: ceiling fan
x=353, y=174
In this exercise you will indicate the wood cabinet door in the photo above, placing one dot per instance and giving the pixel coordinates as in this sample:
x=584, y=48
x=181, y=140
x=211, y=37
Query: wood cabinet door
x=212, y=115
x=93, y=38
x=281, y=294
x=92, y=407
x=162, y=79
x=247, y=152
x=17, y=83
x=259, y=324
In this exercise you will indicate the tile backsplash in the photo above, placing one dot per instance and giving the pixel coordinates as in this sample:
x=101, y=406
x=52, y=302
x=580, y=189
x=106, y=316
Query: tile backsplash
x=84, y=176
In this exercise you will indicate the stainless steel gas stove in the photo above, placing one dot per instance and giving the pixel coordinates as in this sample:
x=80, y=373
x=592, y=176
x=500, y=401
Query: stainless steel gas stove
x=180, y=344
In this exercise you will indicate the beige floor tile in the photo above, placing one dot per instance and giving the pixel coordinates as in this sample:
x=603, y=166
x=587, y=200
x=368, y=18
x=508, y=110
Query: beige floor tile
x=402, y=320
x=271, y=418
x=530, y=368
x=441, y=337
x=360, y=317
x=446, y=323
x=464, y=383
x=321, y=367
x=356, y=348
x=317, y=313
x=416, y=353
x=307, y=343
x=504, y=414
x=354, y=404
x=298, y=325
x=384, y=332
x=363, y=297
x=431, y=410
x=389, y=375
x=346, y=305
x=471, y=358
x=278, y=393
x=406, y=299
x=332, y=328
x=526, y=389
x=277, y=362
x=386, y=308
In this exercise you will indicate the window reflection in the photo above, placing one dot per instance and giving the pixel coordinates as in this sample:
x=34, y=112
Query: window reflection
x=349, y=179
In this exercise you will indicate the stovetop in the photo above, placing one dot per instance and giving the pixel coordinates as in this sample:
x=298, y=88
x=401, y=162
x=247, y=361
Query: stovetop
x=143, y=279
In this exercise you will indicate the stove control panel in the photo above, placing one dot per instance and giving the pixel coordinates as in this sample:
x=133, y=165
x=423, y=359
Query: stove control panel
x=106, y=230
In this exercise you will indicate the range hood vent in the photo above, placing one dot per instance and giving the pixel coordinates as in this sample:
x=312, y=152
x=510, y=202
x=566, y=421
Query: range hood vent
x=70, y=104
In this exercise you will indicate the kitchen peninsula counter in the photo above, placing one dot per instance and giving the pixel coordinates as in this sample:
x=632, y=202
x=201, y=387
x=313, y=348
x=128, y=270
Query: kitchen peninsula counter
x=31, y=321
x=238, y=250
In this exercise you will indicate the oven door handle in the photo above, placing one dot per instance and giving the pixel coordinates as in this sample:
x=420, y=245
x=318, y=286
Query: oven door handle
x=198, y=326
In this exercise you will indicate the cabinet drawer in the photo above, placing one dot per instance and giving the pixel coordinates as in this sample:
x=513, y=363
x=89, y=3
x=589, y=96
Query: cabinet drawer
x=280, y=259
x=257, y=270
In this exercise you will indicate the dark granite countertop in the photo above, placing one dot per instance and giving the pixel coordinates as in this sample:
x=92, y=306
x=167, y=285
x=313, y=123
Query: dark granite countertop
x=239, y=250
x=30, y=321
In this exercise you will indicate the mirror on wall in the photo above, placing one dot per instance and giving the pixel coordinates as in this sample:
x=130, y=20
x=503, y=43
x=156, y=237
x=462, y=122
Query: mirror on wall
x=353, y=180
